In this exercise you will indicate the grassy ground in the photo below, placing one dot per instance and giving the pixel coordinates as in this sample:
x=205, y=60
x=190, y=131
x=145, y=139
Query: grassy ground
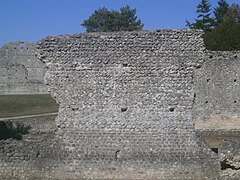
x=22, y=105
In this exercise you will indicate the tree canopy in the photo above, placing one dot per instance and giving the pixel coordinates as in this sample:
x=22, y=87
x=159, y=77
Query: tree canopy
x=204, y=20
x=222, y=31
x=220, y=11
x=103, y=20
x=226, y=35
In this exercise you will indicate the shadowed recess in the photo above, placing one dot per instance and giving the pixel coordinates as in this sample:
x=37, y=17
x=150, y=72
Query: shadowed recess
x=13, y=130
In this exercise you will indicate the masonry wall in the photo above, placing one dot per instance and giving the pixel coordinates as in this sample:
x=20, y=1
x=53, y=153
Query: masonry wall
x=217, y=85
x=27, y=148
x=126, y=103
x=20, y=71
x=217, y=97
x=130, y=107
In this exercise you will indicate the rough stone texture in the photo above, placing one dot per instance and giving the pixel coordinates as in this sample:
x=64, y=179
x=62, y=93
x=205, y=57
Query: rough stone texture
x=217, y=86
x=230, y=157
x=20, y=71
x=126, y=104
x=217, y=104
x=229, y=151
x=27, y=148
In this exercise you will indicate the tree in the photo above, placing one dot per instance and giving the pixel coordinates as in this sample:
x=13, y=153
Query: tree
x=220, y=11
x=233, y=13
x=99, y=21
x=226, y=35
x=203, y=21
x=103, y=20
x=130, y=21
x=222, y=33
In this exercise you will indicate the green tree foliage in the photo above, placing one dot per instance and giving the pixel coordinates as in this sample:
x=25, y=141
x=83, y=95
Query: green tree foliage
x=233, y=13
x=222, y=32
x=103, y=20
x=204, y=20
x=220, y=11
x=99, y=21
x=226, y=35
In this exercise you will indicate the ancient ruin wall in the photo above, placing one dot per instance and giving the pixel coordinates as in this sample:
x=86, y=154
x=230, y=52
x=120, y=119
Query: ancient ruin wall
x=27, y=149
x=217, y=95
x=217, y=85
x=126, y=103
x=20, y=71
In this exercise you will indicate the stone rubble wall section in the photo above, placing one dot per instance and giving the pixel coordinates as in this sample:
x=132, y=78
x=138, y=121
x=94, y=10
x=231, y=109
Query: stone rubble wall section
x=217, y=87
x=21, y=72
x=27, y=148
x=126, y=103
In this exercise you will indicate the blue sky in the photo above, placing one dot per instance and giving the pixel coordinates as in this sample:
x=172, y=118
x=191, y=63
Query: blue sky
x=32, y=20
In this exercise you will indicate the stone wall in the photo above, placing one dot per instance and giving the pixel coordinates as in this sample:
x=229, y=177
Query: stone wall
x=217, y=85
x=217, y=100
x=27, y=149
x=126, y=104
x=20, y=71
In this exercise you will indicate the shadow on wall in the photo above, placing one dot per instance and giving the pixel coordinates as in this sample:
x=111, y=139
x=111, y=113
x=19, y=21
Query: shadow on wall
x=13, y=130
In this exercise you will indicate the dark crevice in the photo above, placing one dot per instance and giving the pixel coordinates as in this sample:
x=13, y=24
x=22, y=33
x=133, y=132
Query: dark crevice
x=38, y=154
x=171, y=109
x=215, y=150
x=75, y=109
x=123, y=109
x=125, y=64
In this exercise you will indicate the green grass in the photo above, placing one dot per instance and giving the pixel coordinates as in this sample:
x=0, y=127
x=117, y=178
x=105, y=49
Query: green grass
x=23, y=105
